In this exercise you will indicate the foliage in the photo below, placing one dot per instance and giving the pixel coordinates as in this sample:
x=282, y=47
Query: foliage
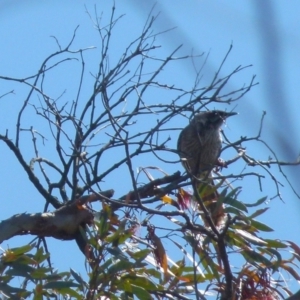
x=149, y=243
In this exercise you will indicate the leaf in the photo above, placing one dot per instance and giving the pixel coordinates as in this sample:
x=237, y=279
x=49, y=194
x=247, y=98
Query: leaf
x=166, y=199
x=7, y=289
x=224, y=192
x=233, y=193
x=261, y=226
x=206, y=190
x=17, y=269
x=121, y=235
x=230, y=199
x=107, y=263
x=10, y=256
x=254, y=257
x=139, y=280
x=258, y=202
x=291, y=271
x=70, y=292
x=115, y=251
x=38, y=292
x=57, y=276
x=21, y=250
x=232, y=210
x=250, y=237
x=141, y=293
x=259, y=212
x=78, y=278
x=112, y=296
x=139, y=255
x=177, y=269
x=184, y=198
x=40, y=256
x=253, y=274
x=273, y=252
x=120, y=265
x=57, y=285
x=235, y=203
x=188, y=255
x=275, y=243
x=103, y=224
x=294, y=247
x=154, y=273
x=191, y=278
x=208, y=264
x=160, y=254
x=236, y=240
x=41, y=273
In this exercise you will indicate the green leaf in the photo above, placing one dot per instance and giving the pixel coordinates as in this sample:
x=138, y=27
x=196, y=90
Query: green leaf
x=7, y=289
x=232, y=210
x=140, y=293
x=40, y=256
x=250, y=237
x=260, y=226
x=107, y=264
x=140, y=280
x=275, y=243
x=154, y=273
x=258, y=202
x=190, y=278
x=112, y=296
x=38, y=296
x=21, y=250
x=139, y=255
x=19, y=270
x=230, y=199
x=208, y=264
x=57, y=277
x=70, y=292
x=119, y=266
x=223, y=193
x=119, y=237
x=177, y=269
x=78, y=278
x=235, y=203
x=272, y=252
x=258, y=212
x=116, y=252
x=233, y=193
x=235, y=240
x=103, y=223
x=58, y=285
x=41, y=273
x=256, y=258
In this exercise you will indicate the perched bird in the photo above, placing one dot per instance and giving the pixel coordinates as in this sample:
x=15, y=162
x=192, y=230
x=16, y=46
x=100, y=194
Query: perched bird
x=199, y=146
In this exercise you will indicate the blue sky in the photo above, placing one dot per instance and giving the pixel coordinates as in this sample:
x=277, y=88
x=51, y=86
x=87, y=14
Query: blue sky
x=265, y=34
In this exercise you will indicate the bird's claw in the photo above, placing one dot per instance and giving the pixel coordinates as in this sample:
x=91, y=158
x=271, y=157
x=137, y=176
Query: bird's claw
x=220, y=164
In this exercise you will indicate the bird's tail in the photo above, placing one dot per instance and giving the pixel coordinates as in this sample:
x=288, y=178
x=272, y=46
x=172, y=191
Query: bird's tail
x=208, y=198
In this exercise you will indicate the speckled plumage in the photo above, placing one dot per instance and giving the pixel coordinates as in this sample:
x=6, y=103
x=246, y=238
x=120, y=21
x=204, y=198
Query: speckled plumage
x=199, y=143
x=199, y=146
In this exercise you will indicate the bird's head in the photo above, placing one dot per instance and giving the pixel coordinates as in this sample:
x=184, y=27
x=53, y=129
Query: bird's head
x=211, y=120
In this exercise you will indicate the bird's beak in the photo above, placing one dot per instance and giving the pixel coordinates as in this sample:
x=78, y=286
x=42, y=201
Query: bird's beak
x=229, y=114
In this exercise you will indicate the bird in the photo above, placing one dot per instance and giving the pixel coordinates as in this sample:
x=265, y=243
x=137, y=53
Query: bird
x=199, y=146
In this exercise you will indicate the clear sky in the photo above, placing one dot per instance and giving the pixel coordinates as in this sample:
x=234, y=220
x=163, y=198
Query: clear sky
x=265, y=34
